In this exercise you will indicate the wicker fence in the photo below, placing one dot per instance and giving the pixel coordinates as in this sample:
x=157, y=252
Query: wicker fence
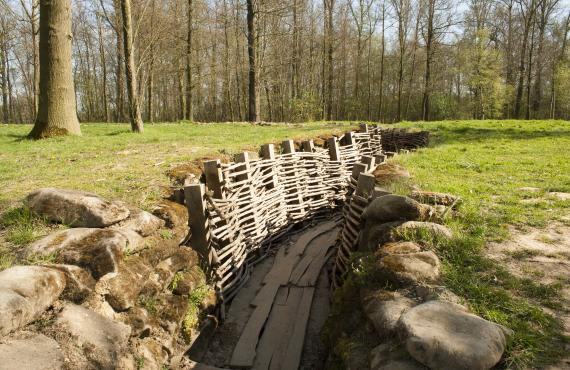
x=246, y=205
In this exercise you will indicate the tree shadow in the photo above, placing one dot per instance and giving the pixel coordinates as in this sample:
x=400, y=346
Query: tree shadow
x=18, y=137
x=117, y=133
x=446, y=135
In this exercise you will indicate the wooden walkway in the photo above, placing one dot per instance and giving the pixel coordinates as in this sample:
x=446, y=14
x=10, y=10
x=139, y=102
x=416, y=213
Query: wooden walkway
x=274, y=335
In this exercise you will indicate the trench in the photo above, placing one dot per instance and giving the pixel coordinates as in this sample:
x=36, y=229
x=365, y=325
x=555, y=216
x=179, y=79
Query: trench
x=276, y=318
x=277, y=233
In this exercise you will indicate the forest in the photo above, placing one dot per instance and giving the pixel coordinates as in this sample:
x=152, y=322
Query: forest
x=298, y=60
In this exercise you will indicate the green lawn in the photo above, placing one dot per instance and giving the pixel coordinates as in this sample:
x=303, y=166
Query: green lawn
x=487, y=163
x=115, y=163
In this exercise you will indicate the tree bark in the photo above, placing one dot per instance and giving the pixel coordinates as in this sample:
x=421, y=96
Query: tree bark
x=190, y=21
x=4, y=79
x=103, y=62
x=528, y=19
x=429, y=56
x=253, y=97
x=382, y=57
x=329, y=8
x=56, y=111
x=120, y=74
x=130, y=68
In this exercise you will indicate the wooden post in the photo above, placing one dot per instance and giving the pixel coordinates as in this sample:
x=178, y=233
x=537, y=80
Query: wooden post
x=380, y=158
x=268, y=152
x=308, y=146
x=365, y=185
x=197, y=219
x=357, y=170
x=214, y=177
x=363, y=127
x=349, y=138
x=288, y=146
x=334, y=150
x=368, y=161
x=242, y=158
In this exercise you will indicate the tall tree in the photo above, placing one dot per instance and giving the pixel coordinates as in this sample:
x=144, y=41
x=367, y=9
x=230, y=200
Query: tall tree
x=528, y=12
x=402, y=10
x=189, y=46
x=56, y=111
x=438, y=21
x=253, y=96
x=130, y=68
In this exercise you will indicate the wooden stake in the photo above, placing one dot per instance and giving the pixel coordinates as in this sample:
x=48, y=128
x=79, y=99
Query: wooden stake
x=334, y=150
x=365, y=185
x=368, y=161
x=214, y=177
x=308, y=146
x=197, y=219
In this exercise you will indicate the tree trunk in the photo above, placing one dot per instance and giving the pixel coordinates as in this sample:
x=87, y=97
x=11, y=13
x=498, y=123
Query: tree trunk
x=429, y=56
x=189, y=105
x=382, y=56
x=120, y=74
x=557, y=60
x=520, y=87
x=529, y=74
x=253, y=98
x=104, y=72
x=130, y=68
x=56, y=114
x=36, y=55
x=329, y=5
x=4, y=79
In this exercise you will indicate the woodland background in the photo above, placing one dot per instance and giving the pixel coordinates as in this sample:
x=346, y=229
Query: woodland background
x=386, y=60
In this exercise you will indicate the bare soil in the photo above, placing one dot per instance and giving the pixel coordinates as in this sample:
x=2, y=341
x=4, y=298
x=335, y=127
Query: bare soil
x=542, y=255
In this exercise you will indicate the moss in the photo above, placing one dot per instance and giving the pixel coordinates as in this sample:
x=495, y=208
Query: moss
x=149, y=303
x=192, y=317
x=175, y=280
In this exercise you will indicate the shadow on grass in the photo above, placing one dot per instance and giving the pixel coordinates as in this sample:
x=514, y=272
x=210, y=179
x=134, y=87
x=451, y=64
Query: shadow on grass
x=18, y=137
x=118, y=132
x=445, y=135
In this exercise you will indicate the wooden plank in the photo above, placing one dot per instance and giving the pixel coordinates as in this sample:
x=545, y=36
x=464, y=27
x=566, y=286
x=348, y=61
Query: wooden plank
x=282, y=270
x=311, y=276
x=244, y=352
x=278, y=330
x=292, y=357
x=316, y=250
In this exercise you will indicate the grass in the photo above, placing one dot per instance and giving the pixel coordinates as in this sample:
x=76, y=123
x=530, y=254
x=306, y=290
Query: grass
x=486, y=163
x=192, y=317
x=115, y=163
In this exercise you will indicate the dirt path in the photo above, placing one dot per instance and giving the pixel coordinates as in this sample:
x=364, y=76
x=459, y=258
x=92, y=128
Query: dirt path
x=274, y=322
x=542, y=255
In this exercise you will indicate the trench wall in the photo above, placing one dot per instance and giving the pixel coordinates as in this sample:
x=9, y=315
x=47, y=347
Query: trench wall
x=245, y=205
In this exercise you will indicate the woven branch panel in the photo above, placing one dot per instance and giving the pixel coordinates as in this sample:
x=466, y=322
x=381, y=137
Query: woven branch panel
x=396, y=139
x=250, y=203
